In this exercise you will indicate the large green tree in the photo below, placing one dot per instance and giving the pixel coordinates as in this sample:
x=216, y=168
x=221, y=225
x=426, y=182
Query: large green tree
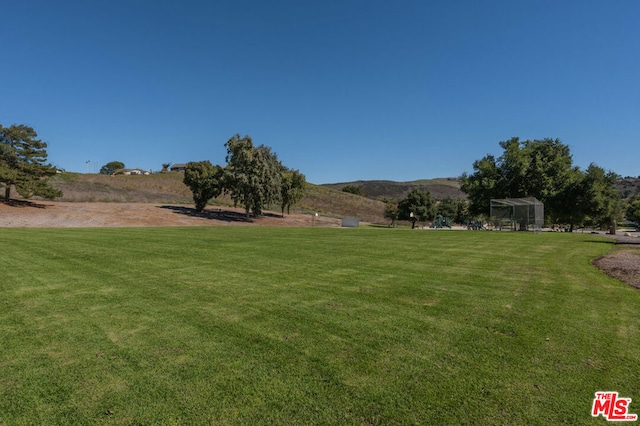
x=633, y=211
x=531, y=168
x=23, y=163
x=483, y=185
x=391, y=211
x=542, y=169
x=292, y=187
x=204, y=180
x=602, y=201
x=573, y=202
x=253, y=174
x=418, y=203
x=454, y=209
x=111, y=167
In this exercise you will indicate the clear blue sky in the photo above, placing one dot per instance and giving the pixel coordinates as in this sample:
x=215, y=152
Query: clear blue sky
x=341, y=90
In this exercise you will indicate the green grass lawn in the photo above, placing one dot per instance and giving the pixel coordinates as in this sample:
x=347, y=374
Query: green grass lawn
x=253, y=325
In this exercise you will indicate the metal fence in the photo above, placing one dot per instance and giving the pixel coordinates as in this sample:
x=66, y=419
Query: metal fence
x=517, y=214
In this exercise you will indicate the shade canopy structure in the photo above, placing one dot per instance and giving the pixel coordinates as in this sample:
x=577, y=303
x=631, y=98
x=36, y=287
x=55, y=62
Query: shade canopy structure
x=521, y=214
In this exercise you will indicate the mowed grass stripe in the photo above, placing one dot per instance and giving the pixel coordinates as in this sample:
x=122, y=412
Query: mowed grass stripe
x=285, y=326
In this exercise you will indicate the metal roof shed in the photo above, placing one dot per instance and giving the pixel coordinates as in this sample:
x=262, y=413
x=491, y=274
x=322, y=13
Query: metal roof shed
x=522, y=214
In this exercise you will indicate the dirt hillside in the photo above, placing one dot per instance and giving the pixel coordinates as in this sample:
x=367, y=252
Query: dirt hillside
x=49, y=214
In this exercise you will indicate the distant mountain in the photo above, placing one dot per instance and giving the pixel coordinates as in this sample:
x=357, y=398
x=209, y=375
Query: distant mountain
x=629, y=187
x=441, y=188
x=378, y=189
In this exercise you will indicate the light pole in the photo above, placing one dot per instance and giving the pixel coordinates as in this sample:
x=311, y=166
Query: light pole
x=86, y=164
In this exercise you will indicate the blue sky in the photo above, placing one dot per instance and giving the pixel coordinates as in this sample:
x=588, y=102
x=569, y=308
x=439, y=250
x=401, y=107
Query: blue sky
x=341, y=90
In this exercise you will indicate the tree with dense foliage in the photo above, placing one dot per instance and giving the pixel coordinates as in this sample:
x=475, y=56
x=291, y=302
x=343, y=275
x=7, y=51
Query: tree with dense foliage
x=633, y=211
x=538, y=168
x=352, y=189
x=165, y=167
x=23, y=163
x=254, y=178
x=391, y=212
x=292, y=187
x=542, y=169
x=111, y=167
x=452, y=208
x=574, y=206
x=603, y=201
x=253, y=174
x=204, y=180
x=483, y=185
x=418, y=203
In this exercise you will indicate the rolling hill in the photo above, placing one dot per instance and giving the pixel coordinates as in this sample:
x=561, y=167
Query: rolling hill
x=325, y=199
x=380, y=189
x=168, y=188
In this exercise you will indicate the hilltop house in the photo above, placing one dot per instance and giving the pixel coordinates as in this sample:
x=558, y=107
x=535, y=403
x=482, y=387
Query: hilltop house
x=181, y=167
x=131, y=172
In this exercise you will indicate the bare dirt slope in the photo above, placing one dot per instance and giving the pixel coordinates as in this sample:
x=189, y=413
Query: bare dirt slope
x=50, y=214
x=623, y=263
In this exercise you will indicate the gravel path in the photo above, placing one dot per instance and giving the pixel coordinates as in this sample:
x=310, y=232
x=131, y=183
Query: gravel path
x=624, y=263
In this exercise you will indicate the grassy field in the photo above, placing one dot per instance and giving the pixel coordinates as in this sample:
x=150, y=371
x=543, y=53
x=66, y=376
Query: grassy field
x=310, y=326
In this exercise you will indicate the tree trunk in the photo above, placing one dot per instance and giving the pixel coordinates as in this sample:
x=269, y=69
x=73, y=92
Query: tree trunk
x=7, y=193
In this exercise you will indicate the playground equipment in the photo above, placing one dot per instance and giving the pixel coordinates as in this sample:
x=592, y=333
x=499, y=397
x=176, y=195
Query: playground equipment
x=442, y=222
x=475, y=225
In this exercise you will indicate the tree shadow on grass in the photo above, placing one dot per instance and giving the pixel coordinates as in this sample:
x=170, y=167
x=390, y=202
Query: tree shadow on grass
x=603, y=241
x=628, y=242
x=215, y=214
x=23, y=203
x=622, y=239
